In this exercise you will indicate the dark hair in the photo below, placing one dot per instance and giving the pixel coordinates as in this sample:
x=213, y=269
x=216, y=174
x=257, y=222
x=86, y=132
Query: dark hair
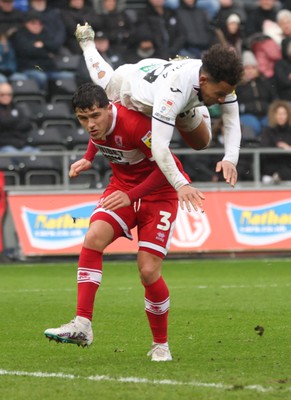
x=222, y=63
x=88, y=95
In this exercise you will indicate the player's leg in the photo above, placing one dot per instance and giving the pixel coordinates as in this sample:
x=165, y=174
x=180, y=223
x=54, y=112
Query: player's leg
x=103, y=230
x=100, y=71
x=79, y=330
x=157, y=225
x=157, y=302
x=195, y=127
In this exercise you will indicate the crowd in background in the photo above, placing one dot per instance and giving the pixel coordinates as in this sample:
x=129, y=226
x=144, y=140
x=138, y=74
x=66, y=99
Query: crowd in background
x=35, y=35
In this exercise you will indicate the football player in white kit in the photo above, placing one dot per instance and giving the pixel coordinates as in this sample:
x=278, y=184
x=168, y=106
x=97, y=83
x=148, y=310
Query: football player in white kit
x=175, y=93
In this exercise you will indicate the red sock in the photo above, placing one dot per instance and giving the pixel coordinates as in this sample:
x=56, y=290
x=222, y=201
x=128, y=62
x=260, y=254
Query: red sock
x=89, y=279
x=157, y=303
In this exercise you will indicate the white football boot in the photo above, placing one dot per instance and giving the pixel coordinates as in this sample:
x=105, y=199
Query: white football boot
x=78, y=331
x=160, y=352
x=84, y=33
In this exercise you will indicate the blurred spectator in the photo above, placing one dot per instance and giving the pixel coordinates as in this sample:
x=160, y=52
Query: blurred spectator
x=144, y=46
x=119, y=23
x=230, y=34
x=277, y=135
x=51, y=18
x=265, y=10
x=77, y=12
x=98, y=5
x=10, y=17
x=21, y=5
x=164, y=26
x=35, y=49
x=103, y=46
x=282, y=76
x=172, y=4
x=286, y=4
x=60, y=4
x=197, y=32
x=14, y=124
x=8, y=65
x=254, y=94
x=266, y=49
x=284, y=22
x=228, y=7
x=210, y=6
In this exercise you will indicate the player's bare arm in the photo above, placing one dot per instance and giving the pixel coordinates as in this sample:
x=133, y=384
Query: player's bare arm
x=189, y=197
x=79, y=166
x=228, y=170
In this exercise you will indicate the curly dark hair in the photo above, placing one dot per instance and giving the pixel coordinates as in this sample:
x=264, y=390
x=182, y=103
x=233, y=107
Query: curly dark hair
x=87, y=95
x=221, y=63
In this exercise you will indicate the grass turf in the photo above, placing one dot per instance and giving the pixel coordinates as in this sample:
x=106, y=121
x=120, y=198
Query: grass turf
x=215, y=306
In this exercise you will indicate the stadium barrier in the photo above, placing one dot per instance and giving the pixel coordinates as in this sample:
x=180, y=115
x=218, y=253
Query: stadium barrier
x=52, y=220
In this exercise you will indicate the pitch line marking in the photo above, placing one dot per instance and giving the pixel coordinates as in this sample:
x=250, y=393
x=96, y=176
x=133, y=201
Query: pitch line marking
x=136, y=380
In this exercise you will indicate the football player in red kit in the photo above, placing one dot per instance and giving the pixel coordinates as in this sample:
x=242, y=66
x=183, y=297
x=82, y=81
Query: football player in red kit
x=138, y=195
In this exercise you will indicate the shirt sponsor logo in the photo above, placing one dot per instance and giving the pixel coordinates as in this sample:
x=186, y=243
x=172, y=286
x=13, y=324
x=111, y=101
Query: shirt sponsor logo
x=118, y=140
x=261, y=225
x=147, y=139
x=166, y=106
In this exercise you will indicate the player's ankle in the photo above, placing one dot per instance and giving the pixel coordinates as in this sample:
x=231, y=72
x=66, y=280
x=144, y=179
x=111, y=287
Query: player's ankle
x=87, y=45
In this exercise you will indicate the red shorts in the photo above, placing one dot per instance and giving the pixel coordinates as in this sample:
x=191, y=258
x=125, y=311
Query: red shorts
x=155, y=222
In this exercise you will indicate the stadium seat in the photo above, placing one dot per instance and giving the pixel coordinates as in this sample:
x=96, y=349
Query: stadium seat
x=62, y=98
x=31, y=104
x=26, y=87
x=41, y=170
x=9, y=168
x=62, y=86
x=90, y=179
x=49, y=138
x=78, y=139
x=39, y=178
x=53, y=112
x=68, y=62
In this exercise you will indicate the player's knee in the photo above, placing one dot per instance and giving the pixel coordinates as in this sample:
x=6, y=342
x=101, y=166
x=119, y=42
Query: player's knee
x=149, y=268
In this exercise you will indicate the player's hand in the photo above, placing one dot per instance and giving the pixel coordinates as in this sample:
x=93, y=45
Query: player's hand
x=229, y=171
x=79, y=166
x=190, y=197
x=116, y=200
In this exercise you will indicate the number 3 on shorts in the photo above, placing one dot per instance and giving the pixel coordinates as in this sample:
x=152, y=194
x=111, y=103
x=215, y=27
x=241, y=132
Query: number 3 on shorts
x=165, y=223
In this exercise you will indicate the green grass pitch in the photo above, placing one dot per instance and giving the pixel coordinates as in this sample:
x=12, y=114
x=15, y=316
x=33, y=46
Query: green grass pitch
x=215, y=307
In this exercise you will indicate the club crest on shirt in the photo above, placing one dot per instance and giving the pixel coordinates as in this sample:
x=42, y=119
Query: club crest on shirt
x=147, y=139
x=118, y=140
x=166, y=106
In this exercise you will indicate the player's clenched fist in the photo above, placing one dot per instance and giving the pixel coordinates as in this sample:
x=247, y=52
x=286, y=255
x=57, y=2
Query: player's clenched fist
x=79, y=166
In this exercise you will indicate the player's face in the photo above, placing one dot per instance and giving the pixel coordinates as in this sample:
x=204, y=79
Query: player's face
x=96, y=121
x=213, y=92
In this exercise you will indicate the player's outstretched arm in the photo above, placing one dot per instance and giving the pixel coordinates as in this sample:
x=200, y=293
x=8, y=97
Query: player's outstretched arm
x=189, y=197
x=79, y=166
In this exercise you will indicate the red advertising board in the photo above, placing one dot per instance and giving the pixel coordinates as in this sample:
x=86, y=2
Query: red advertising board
x=51, y=224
